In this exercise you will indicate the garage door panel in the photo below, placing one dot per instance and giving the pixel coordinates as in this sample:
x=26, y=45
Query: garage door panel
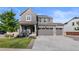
x=45, y=32
x=59, y=31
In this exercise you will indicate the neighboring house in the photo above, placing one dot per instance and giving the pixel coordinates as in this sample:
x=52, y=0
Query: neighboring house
x=39, y=24
x=72, y=27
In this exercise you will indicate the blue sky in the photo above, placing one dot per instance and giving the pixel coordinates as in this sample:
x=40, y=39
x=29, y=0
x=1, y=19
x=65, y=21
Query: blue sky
x=59, y=14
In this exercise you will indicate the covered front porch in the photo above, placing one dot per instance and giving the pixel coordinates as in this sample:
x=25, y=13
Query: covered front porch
x=31, y=29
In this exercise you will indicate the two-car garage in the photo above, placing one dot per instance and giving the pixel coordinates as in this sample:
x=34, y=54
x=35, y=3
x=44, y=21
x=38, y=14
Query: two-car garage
x=50, y=31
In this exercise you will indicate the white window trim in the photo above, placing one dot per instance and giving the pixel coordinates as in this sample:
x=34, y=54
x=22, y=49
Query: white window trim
x=29, y=16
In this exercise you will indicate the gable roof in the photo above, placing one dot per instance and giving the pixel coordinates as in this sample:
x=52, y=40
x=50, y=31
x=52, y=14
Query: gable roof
x=25, y=11
x=58, y=24
x=72, y=19
x=44, y=16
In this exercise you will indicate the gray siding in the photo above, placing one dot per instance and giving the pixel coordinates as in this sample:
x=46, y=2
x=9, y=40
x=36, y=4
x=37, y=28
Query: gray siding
x=23, y=17
x=45, y=20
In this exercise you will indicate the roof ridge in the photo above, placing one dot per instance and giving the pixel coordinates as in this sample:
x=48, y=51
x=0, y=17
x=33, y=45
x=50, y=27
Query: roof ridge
x=76, y=17
x=25, y=10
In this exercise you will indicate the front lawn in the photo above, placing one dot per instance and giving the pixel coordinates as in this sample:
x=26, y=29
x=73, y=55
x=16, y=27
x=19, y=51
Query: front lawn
x=14, y=42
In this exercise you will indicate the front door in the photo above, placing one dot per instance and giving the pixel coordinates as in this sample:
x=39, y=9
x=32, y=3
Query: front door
x=32, y=28
x=28, y=28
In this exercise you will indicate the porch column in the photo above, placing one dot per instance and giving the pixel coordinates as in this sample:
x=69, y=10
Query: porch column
x=54, y=30
x=63, y=31
x=35, y=28
x=20, y=30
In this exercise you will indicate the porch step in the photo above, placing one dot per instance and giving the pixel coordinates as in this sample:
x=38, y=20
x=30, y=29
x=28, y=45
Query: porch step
x=33, y=34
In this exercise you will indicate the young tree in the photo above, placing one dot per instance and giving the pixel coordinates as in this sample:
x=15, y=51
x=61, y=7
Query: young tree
x=8, y=21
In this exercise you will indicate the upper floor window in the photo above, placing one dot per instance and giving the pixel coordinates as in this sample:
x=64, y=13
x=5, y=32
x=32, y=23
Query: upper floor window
x=45, y=19
x=77, y=22
x=40, y=20
x=72, y=23
x=48, y=20
x=28, y=17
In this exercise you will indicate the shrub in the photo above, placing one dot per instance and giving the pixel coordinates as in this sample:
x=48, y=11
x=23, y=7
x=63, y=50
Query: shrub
x=9, y=35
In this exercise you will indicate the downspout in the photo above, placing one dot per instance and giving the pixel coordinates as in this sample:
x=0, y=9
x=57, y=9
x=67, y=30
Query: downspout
x=37, y=25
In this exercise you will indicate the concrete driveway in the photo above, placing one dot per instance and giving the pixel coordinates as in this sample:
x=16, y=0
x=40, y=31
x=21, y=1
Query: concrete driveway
x=55, y=43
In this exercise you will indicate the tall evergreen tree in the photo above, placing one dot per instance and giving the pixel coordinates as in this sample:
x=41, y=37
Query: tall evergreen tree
x=8, y=21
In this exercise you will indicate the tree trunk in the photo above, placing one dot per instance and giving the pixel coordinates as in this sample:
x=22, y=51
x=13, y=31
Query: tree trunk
x=9, y=36
x=9, y=33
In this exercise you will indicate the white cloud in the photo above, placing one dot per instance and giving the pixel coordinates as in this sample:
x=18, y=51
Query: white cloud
x=64, y=16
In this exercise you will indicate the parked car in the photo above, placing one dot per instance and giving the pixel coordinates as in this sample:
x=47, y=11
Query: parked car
x=2, y=32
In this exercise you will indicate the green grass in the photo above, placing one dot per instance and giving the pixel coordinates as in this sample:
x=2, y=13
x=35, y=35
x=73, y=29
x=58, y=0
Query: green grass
x=14, y=42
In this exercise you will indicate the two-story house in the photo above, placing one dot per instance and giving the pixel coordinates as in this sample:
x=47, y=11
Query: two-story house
x=72, y=27
x=39, y=24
